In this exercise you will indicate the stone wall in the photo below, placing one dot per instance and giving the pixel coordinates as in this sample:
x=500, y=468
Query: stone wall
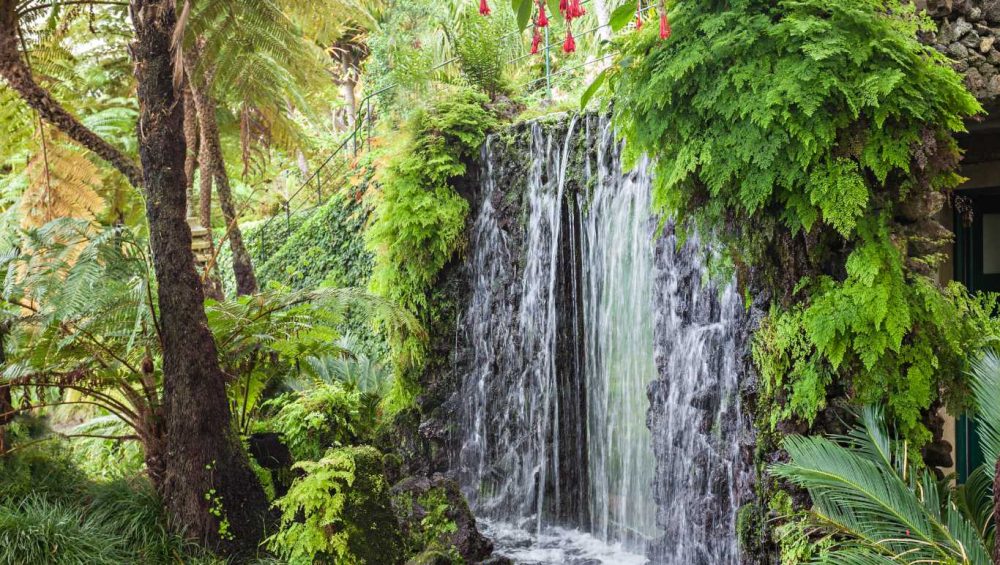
x=969, y=33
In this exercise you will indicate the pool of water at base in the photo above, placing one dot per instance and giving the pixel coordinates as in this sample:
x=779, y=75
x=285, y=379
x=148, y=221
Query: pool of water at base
x=555, y=546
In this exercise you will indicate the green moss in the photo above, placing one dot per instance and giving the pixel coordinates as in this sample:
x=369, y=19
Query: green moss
x=419, y=219
x=371, y=525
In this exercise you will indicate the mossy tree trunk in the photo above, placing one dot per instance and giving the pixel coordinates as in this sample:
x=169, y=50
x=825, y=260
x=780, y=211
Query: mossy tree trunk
x=208, y=486
x=213, y=166
x=191, y=142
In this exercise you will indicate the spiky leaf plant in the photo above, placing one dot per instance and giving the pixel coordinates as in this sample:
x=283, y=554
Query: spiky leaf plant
x=875, y=503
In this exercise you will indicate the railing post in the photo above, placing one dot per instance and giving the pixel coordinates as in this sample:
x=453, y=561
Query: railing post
x=368, y=118
x=548, y=67
x=288, y=220
x=319, y=188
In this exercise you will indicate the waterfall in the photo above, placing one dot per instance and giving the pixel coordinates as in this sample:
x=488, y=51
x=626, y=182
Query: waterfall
x=618, y=262
x=599, y=400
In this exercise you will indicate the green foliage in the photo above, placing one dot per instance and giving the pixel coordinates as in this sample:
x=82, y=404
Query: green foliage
x=104, y=459
x=785, y=107
x=320, y=247
x=419, y=220
x=51, y=513
x=325, y=247
x=329, y=415
x=482, y=53
x=338, y=512
x=880, y=509
x=319, y=497
x=796, y=131
x=896, y=338
x=985, y=384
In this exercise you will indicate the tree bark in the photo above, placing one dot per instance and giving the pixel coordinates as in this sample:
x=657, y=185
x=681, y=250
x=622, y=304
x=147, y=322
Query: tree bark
x=214, y=166
x=191, y=154
x=14, y=70
x=208, y=486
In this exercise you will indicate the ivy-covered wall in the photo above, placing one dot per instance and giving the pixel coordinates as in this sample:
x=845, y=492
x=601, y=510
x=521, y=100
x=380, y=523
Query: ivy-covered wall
x=319, y=245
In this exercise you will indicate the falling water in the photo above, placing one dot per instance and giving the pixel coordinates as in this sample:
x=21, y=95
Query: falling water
x=600, y=399
x=618, y=264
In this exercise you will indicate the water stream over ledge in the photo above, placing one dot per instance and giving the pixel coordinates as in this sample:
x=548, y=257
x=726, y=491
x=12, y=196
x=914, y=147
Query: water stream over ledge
x=601, y=402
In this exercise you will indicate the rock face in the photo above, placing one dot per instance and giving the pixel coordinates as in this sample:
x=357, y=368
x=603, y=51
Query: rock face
x=419, y=503
x=967, y=33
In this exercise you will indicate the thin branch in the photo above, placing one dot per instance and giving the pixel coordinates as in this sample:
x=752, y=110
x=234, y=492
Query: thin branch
x=131, y=437
x=39, y=7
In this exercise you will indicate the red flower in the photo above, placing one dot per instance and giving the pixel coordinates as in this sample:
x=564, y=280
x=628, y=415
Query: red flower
x=569, y=46
x=563, y=7
x=543, y=20
x=484, y=8
x=664, y=26
x=575, y=10
x=535, y=41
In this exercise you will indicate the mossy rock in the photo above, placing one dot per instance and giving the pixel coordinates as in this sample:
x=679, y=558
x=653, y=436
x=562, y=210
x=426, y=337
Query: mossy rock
x=435, y=518
x=374, y=532
x=434, y=558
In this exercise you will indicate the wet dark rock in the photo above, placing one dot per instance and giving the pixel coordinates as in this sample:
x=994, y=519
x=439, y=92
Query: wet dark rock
x=432, y=558
x=269, y=451
x=410, y=499
x=497, y=560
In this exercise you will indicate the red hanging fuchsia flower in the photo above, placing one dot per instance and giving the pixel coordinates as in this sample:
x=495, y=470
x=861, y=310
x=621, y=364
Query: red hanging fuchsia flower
x=543, y=20
x=563, y=7
x=664, y=25
x=535, y=41
x=575, y=10
x=569, y=46
x=484, y=8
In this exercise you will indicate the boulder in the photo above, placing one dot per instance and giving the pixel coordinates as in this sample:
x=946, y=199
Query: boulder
x=450, y=524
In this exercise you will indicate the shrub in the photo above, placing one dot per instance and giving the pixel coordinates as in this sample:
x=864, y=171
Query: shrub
x=419, y=218
x=339, y=511
x=328, y=415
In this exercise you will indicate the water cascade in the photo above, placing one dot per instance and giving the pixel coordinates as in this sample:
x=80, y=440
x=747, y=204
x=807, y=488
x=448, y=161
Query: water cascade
x=599, y=396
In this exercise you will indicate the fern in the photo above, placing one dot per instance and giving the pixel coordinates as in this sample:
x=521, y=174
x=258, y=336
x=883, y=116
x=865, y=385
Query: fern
x=419, y=218
x=794, y=131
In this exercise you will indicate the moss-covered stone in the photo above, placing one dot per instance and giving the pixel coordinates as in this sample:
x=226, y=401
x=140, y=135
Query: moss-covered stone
x=374, y=533
x=436, y=518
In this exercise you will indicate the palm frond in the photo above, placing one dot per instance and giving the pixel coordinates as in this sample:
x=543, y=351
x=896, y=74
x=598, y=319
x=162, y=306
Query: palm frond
x=860, y=495
x=985, y=377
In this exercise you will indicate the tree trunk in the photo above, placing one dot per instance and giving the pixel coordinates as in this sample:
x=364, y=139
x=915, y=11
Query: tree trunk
x=191, y=154
x=208, y=486
x=214, y=166
x=14, y=70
